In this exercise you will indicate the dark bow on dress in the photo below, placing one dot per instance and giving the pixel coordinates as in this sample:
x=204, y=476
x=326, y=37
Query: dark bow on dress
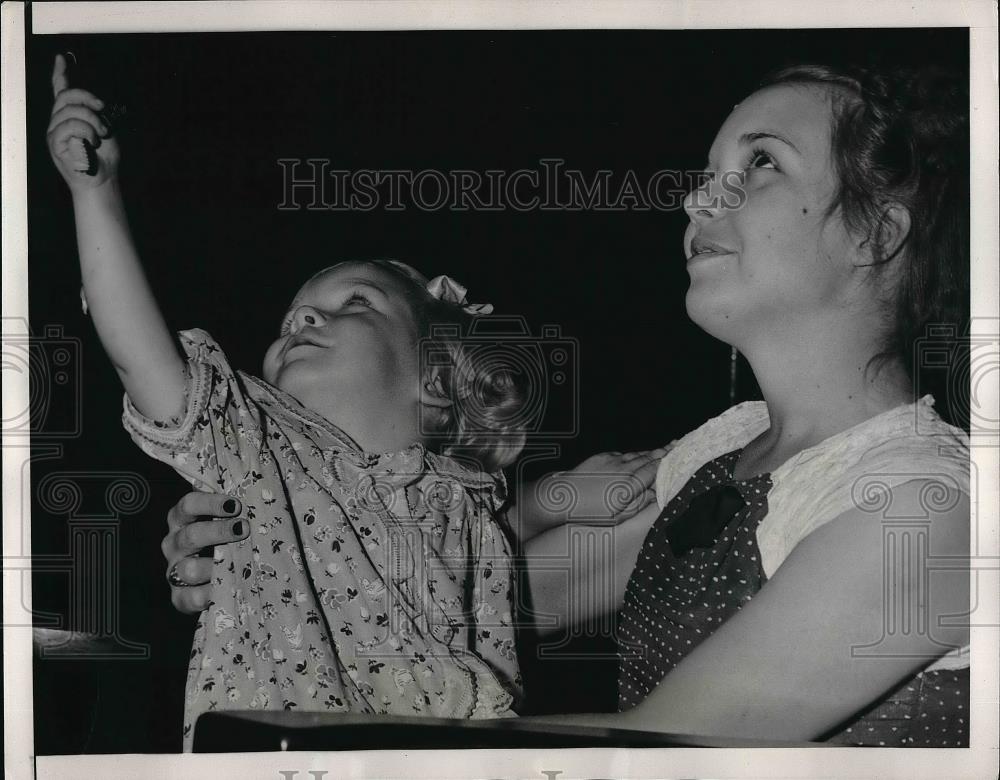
x=702, y=522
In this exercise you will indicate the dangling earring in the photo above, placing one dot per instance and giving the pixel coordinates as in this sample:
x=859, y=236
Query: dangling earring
x=733, y=358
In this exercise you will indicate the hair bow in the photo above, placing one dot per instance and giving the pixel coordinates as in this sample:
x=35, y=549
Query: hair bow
x=446, y=289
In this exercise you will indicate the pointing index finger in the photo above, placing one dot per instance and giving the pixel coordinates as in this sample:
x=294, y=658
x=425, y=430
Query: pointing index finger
x=60, y=80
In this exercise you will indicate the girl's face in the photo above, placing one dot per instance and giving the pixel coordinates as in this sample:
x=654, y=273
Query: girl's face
x=773, y=261
x=349, y=342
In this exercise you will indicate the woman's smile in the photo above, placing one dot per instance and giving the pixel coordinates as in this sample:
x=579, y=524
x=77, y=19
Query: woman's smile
x=702, y=250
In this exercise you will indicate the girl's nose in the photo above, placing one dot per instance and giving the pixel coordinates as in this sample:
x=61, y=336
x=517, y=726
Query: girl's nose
x=306, y=316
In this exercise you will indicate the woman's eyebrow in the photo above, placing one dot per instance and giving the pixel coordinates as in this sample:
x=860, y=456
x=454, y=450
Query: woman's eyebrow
x=749, y=138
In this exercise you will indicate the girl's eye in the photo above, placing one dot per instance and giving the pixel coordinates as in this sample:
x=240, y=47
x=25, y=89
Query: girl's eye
x=357, y=297
x=760, y=159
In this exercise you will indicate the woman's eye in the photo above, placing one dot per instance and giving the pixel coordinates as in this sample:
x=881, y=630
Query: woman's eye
x=760, y=159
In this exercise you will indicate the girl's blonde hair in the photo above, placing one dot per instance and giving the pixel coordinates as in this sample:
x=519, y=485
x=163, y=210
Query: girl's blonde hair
x=488, y=385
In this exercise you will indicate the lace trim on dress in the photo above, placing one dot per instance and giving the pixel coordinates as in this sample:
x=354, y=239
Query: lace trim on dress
x=206, y=360
x=177, y=431
x=854, y=469
x=268, y=394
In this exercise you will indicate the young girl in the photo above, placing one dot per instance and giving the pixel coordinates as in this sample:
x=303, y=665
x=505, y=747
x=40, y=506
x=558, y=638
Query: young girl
x=372, y=575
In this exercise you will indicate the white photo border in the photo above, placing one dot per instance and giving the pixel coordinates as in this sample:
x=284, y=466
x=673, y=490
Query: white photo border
x=980, y=16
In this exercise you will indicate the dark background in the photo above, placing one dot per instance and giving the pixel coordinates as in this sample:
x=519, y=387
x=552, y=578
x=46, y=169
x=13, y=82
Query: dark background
x=209, y=115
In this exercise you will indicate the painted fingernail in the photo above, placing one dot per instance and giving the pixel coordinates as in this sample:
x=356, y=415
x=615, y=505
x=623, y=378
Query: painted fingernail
x=238, y=528
x=229, y=506
x=174, y=578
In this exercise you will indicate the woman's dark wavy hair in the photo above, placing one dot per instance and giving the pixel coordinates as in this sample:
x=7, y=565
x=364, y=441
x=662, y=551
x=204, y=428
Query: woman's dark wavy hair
x=488, y=387
x=901, y=138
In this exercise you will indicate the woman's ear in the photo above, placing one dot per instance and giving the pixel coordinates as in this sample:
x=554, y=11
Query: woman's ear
x=892, y=231
x=432, y=391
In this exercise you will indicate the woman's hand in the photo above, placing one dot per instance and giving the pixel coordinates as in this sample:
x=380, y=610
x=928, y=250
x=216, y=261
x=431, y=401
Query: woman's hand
x=79, y=138
x=610, y=486
x=192, y=530
x=605, y=489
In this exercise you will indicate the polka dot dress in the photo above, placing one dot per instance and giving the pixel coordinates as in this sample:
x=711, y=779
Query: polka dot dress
x=929, y=710
x=672, y=603
x=679, y=594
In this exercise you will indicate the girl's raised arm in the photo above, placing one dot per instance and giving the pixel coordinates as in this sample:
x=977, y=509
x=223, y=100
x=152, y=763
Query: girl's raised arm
x=125, y=313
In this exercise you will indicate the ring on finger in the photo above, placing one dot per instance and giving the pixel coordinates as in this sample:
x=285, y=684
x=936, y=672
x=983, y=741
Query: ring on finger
x=174, y=578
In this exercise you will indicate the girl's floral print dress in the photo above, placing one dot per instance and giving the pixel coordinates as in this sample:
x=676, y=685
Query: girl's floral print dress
x=370, y=583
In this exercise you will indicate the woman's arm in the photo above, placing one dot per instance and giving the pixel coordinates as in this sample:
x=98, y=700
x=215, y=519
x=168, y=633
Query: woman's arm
x=584, y=529
x=784, y=667
x=578, y=573
x=561, y=582
x=124, y=310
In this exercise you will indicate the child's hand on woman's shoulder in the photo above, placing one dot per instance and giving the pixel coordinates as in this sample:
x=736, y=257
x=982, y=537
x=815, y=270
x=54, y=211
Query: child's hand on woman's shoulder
x=80, y=140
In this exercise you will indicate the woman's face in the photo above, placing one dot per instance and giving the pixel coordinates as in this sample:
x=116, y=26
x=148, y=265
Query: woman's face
x=769, y=261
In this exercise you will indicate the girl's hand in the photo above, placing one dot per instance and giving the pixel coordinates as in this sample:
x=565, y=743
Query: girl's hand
x=79, y=139
x=611, y=486
x=193, y=529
